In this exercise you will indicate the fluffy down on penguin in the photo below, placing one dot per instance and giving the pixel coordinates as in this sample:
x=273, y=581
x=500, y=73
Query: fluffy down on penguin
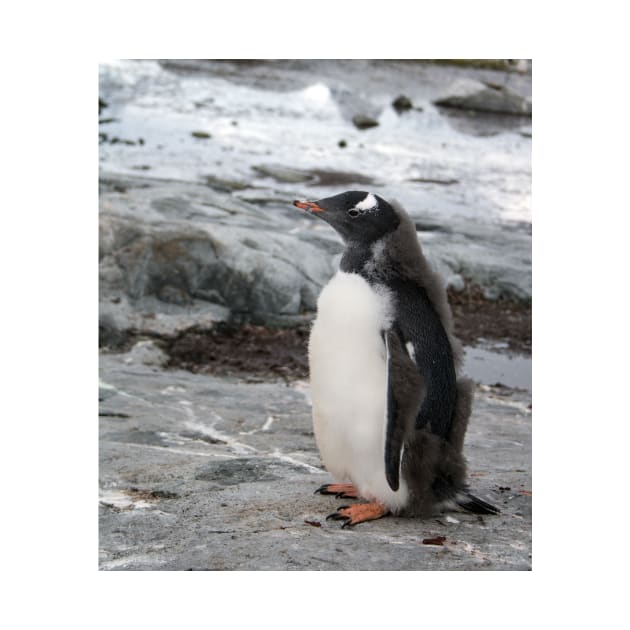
x=389, y=410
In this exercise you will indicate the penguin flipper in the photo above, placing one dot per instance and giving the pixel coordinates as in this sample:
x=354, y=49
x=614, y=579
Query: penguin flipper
x=405, y=393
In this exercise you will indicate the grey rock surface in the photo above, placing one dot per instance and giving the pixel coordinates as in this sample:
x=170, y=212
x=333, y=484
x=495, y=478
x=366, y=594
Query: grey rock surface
x=493, y=257
x=471, y=94
x=205, y=473
x=178, y=255
x=147, y=352
x=192, y=256
x=195, y=231
x=361, y=121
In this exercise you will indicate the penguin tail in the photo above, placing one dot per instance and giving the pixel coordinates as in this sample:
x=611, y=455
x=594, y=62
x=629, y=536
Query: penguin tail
x=471, y=503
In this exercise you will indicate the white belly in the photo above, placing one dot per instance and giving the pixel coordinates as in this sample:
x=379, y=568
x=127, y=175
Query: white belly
x=348, y=374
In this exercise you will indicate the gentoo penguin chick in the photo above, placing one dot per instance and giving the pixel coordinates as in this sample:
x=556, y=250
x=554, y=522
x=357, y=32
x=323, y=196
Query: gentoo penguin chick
x=389, y=412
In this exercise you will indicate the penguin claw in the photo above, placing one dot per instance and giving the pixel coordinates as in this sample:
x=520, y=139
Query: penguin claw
x=358, y=513
x=339, y=490
x=337, y=516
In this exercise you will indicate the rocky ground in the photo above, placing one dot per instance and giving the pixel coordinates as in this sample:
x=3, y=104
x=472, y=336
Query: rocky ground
x=208, y=283
x=202, y=472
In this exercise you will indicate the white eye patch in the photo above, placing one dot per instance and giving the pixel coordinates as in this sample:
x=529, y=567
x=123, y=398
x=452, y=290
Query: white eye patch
x=368, y=204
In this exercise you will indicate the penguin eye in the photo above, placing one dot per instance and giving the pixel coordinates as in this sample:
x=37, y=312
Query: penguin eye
x=353, y=212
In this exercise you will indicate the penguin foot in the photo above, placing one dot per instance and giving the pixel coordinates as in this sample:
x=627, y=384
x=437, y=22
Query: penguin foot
x=340, y=490
x=358, y=513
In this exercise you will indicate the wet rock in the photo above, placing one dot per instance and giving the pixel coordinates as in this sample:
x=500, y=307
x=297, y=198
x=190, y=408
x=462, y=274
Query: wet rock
x=402, y=103
x=361, y=121
x=515, y=65
x=316, y=176
x=279, y=275
x=498, y=267
x=456, y=282
x=341, y=178
x=198, y=257
x=434, y=180
x=147, y=353
x=481, y=124
x=109, y=183
x=175, y=256
x=224, y=185
x=475, y=95
x=283, y=173
x=424, y=226
x=120, y=323
x=167, y=244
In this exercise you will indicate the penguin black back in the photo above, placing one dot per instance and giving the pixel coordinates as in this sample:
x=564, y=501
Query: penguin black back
x=418, y=323
x=382, y=247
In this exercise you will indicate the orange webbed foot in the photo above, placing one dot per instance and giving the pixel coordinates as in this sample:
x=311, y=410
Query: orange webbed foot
x=340, y=490
x=358, y=513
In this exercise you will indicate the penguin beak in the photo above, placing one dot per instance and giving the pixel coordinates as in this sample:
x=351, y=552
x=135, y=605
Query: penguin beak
x=311, y=206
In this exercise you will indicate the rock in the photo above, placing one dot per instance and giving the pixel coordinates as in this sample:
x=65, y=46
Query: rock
x=434, y=180
x=193, y=475
x=177, y=255
x=120, y=322
x=518, y=65
x=364, y=122
x=315, y=176
x=402, y=103
x=224, y=185
x=198, y=257
x=283, y=173
x=343, y=144
x=331, y=177
x=147, y=353
x=455, y=282
x=475, y=95
x=202, y=135
x=247, y=271
x=497, y=267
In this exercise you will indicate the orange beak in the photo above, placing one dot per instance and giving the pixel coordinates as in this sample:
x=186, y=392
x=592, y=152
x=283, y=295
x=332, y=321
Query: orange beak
x=311, y=206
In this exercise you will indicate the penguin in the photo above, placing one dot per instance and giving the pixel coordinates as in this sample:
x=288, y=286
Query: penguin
x=390, y=411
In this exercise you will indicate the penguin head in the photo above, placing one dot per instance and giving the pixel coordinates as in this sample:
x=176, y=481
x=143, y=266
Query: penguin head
x=358, y=216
